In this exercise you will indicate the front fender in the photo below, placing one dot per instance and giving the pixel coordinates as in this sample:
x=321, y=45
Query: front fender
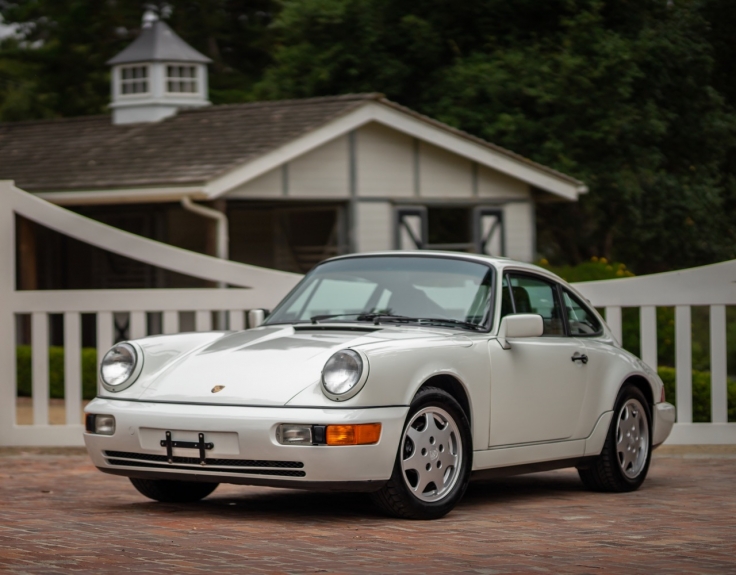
x=397, y=373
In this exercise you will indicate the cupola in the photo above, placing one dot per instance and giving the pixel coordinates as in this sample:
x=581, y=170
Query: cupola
x=157, y=75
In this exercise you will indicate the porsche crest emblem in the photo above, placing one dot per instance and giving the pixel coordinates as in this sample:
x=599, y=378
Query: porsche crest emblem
x=218, y=388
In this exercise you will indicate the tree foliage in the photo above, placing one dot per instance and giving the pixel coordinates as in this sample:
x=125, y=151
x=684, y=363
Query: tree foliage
x=621, y=94
x=634, y=97
x=56, y=66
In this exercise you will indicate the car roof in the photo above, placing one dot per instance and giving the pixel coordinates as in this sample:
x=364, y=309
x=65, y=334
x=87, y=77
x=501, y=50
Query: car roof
x=498, y=262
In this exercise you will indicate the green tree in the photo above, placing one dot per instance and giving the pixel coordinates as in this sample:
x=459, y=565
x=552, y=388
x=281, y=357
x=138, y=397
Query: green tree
x=620, y=94
x=57, y=65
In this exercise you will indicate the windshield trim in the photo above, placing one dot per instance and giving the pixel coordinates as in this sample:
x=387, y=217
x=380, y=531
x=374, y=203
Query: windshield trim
x=485, y=327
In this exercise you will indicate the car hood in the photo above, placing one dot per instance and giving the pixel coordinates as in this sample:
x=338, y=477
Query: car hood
x=266, y=366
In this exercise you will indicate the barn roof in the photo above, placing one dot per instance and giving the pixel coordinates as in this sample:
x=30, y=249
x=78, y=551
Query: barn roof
x=192, y=147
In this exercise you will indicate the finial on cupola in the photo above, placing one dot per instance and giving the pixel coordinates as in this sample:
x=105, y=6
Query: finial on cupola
x=157, y=75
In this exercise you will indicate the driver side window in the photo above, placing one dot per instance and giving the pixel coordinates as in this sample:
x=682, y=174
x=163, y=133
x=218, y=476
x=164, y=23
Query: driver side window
x=526, y=294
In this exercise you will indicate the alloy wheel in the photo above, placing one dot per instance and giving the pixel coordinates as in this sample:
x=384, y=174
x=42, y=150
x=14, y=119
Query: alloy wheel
x=431, y=454
x=632, y=438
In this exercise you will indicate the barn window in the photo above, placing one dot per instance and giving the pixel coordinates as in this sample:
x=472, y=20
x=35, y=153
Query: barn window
x=181, y=79
x=455, y=228
x=134, y=80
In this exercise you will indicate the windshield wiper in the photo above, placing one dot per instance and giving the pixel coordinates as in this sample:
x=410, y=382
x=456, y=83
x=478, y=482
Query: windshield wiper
x=458, y=322
x=360, y=316
x=377, y=318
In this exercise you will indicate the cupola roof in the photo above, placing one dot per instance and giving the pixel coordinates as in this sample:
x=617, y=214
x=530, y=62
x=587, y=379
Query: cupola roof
x=158, y=43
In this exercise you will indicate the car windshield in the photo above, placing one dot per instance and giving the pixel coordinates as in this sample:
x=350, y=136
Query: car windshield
x=438, y=290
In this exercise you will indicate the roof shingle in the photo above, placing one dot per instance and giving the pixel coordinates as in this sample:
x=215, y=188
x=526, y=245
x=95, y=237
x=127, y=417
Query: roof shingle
x=191, y=147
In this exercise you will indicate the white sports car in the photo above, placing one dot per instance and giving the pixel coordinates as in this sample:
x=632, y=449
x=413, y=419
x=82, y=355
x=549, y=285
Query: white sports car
x=401, y=374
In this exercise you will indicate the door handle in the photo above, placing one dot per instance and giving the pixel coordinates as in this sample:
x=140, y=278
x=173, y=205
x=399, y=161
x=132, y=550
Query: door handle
x=581, y=357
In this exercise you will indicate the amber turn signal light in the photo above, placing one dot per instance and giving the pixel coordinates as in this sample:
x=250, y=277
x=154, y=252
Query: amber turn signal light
x=363, y=434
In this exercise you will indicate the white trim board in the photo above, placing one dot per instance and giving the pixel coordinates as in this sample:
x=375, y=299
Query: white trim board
x=122, y=196
x=142, y=249
x=402, y=122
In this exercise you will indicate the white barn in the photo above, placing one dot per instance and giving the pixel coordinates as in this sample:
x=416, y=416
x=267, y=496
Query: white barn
x=283, y=184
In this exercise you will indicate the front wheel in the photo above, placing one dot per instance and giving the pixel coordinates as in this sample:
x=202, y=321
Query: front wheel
x=167, y=491
x=624, y=462
x=434, y=459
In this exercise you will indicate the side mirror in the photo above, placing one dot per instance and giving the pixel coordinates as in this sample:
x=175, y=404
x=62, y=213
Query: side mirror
x=519, y=325
x=256, y=317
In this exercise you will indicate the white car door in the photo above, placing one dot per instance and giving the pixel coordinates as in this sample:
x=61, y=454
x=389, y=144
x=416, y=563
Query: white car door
x=538, y=386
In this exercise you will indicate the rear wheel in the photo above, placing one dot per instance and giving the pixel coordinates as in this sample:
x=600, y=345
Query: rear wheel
x=168, y=491
x=433, y=463
x=624, y=462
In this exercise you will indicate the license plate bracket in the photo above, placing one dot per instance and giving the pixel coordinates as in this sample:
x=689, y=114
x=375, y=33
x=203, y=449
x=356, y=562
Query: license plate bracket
x=201, y=445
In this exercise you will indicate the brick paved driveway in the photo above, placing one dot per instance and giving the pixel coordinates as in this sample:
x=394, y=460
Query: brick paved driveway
x=59, y=515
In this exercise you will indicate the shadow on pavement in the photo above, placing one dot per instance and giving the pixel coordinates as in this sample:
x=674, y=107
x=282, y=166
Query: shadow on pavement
x=267, y=503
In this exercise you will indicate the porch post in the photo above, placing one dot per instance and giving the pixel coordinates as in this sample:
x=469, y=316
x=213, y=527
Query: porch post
x=353, y=201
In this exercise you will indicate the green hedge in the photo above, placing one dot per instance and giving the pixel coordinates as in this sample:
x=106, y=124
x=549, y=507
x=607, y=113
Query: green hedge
x=56, y=371
x=701, y=393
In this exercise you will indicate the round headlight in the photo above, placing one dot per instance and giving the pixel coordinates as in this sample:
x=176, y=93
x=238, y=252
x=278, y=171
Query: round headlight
x=342, y=372
x=118, y=365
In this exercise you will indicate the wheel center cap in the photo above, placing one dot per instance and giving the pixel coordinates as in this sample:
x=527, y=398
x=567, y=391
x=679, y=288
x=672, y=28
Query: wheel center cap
x=434, y=454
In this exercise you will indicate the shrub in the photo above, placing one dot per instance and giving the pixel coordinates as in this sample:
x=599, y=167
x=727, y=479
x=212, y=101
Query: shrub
x=701, y=393
x=592, y=270
x=56, y=371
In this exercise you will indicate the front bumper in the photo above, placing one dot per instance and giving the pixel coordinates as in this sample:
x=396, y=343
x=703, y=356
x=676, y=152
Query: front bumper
x=245, y=449
x=664, y=419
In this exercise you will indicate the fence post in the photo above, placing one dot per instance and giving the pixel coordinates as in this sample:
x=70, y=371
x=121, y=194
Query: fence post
x=40, y=367
x=613, y=319
x=203, y=320
x=683, y=364
x=7, y=316
x=73, y=367
x=648, y=331
x=237, y=320
x=171, y=322
x=718, y=392
x=105, y=338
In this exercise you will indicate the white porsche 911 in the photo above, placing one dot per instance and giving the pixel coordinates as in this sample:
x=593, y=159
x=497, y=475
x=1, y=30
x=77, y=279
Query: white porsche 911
x=401, y=374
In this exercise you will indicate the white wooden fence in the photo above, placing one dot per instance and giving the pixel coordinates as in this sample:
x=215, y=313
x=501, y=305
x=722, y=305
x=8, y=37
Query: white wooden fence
x=714, y=286
x=258, y=288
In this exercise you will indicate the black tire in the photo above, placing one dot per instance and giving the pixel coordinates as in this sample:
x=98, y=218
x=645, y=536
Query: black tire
x=606, y=472
x=395, y=497
x=167, y=491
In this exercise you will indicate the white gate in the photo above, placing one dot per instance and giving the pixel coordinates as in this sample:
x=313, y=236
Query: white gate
x=258, y=288
x=714, y=286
